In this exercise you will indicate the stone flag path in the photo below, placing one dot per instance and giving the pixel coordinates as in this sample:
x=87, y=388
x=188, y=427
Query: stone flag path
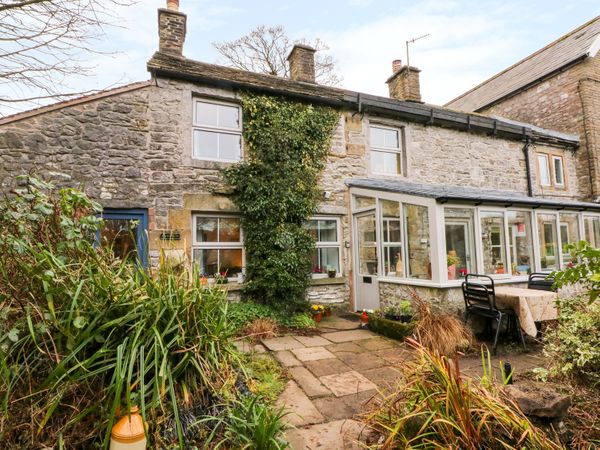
x=335, y=374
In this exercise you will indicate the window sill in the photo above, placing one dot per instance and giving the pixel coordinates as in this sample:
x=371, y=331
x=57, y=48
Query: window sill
x=211, y=163
x=448, y=284
x=327, y=281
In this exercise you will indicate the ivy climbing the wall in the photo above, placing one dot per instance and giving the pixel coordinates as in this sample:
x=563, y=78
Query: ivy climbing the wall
x=276, y=189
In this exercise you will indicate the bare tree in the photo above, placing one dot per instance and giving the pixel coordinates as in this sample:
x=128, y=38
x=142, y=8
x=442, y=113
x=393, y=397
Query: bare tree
x=265, y=50
x=42, y=42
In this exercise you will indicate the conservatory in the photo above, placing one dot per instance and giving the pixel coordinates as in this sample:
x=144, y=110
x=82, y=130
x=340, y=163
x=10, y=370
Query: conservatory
x=432, y=236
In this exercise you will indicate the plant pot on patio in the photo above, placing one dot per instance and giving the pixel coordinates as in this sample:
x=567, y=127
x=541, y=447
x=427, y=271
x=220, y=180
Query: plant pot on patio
x=327, y=312
x=317, y=317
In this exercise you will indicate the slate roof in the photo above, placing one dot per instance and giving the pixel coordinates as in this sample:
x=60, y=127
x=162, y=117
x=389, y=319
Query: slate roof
x=444, y=194
x=170, y=66
x=568, y=50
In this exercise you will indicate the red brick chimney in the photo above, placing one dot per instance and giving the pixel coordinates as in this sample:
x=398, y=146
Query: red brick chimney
x=302, y=63
x=404, y=83
x=171, y=29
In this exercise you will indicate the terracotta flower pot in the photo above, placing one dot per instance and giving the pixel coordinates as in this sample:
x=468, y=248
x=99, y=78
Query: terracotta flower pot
x=317, y=317
x=327, y=312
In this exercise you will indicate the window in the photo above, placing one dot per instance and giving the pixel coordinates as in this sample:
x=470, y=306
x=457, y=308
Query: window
x=548, y=241
x=520, y=242
x=493, y=242
x=217, y=245
x=217, y=131
x=124, y=231
x=592, y=230
x=386, y=154
x=326, y=255
x=569, y=234
x=559, y=176
x=417, y=239
x=544, y=170
x=460, y=248
x=392, y=241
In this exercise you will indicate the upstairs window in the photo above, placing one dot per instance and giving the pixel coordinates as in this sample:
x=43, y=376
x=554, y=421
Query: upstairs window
x=559, y=176
x=217, y=131
x=544, y=170
x=551, y=170
x=386, y=151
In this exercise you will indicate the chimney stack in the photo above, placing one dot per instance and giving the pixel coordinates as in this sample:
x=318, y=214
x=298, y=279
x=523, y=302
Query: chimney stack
x=404, y=83
x=302, y=63
x=171, y=29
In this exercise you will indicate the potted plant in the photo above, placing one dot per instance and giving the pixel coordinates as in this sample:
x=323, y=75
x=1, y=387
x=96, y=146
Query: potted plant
x=452, y=261
x=500, y=268
x=317, y=312
x=331, y=271
x=406, y=311
x=319, y=272
x=221, y=278
x=327, y=312
x=391, y=313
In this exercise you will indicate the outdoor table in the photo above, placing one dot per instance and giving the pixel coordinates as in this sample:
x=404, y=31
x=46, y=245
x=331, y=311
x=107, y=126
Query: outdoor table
x=530, y=305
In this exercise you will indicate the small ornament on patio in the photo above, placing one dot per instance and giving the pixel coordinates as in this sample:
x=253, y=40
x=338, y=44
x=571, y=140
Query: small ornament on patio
x=364, y=319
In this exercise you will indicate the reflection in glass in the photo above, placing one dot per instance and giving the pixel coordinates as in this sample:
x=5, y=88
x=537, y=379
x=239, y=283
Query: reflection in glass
x=364, y=202
x=326, y=258
x=120, y=236
x=367, y=245
x=417, y=238
x=548, y=241
x=592, y=230
x=385, y=162
x=392, y=241
x=569, y=234
x=493, y=242
x=224, y=261
x=520, y=241
x=460, y=246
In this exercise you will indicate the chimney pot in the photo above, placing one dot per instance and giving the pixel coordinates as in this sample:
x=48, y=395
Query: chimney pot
x=173, y=5
x=171, y=29
x=396, y=65
x=404, y=83
x=302, y=63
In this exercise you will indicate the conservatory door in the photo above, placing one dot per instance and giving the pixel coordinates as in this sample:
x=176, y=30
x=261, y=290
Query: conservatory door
x=367, y=261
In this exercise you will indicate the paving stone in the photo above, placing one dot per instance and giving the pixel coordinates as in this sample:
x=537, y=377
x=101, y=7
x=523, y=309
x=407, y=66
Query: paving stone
x=301, y=410
x=346, y=347
x=383, y=376
x=313, y=341
x=394, y=355
x=242, y=346
x=282, y=343
x=286, y=358
x=377, y=344
x=338, y=323
x=335, y=435
x=312, y=353
x=259, y=348
x=308, y=382
x=362, y=361
x=347, y=383
x=327, y=367
x=334, y=408
x=349, y=335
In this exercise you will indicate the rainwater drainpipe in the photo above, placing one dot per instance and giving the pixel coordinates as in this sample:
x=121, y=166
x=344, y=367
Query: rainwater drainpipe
x=528, y=166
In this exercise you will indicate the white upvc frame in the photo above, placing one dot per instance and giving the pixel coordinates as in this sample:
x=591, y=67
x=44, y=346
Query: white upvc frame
x=217, y=245
x=330, y=244
x=562, y=171
x=546, y=157
x=213, y=129
x=399, y=150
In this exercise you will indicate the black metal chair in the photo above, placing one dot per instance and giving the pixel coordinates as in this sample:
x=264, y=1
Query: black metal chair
x=480, y=300
x=541, y=282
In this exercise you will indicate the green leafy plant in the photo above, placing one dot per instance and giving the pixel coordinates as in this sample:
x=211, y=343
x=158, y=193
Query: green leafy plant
x=244, y=313
x=437, y=408
x=276, y=189
x=586, y=271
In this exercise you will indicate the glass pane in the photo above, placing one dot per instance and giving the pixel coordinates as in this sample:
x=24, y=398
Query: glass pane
x=569, y=234
x=207, y=260
x=206, y=144
x=229, y=116
x=230, y=146
x=206, y=229
x=548, y=241
x=592, y=231
x=390, y=212
x=460, y=242
x=391, y=138
x=329, y=258
x=364, y=202
x=492, y=240
x=417, y=238
x=520, y=242
x=386, y=163
x=558, y=171
x=230, y=261
x=377, y=137
x=229, y=230
x=392, y=261
x=313, y=229
x=327, y=231
x=207, y=114
x=120, y=235
x=544, y=170
x=367, y=245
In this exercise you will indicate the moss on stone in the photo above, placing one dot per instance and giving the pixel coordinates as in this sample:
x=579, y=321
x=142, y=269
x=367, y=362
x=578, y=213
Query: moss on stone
x=391, y=328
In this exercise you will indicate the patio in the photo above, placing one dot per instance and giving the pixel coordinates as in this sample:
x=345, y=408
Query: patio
x=334, y=374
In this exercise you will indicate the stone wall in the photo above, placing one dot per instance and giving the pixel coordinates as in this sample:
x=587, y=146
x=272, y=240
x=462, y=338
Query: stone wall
x=558, y=103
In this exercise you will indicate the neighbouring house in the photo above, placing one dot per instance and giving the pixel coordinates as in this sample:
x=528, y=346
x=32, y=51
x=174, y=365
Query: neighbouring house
x=557, y=87
x=406, y=184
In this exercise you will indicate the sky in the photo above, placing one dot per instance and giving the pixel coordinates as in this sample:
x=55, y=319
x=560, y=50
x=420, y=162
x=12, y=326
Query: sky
x=468, y=41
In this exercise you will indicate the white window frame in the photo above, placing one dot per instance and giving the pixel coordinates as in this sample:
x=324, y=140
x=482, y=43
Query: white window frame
x=562, y=170
x=398, y=150
x=329, y=244
x=548, y=172
x=196, y=245
x=221, y=130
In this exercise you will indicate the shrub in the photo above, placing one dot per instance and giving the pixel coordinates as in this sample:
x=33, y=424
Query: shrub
x=573, y=345
x=436, y=408
x=243, y=314
x=586, y=271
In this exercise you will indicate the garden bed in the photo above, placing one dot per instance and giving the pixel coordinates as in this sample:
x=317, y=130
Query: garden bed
x=391, y=328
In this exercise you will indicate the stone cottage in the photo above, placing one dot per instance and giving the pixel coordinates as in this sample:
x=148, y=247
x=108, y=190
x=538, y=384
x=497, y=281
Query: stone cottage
x=406, y=183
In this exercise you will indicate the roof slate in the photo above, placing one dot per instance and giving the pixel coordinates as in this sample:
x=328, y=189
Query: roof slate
x=575, y=46
x=445, y=194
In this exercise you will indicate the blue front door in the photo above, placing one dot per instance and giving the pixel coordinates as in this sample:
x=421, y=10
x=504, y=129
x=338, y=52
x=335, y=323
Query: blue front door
x=126, y=231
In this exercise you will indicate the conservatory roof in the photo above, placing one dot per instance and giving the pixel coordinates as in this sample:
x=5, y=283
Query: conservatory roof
x=445, y=194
